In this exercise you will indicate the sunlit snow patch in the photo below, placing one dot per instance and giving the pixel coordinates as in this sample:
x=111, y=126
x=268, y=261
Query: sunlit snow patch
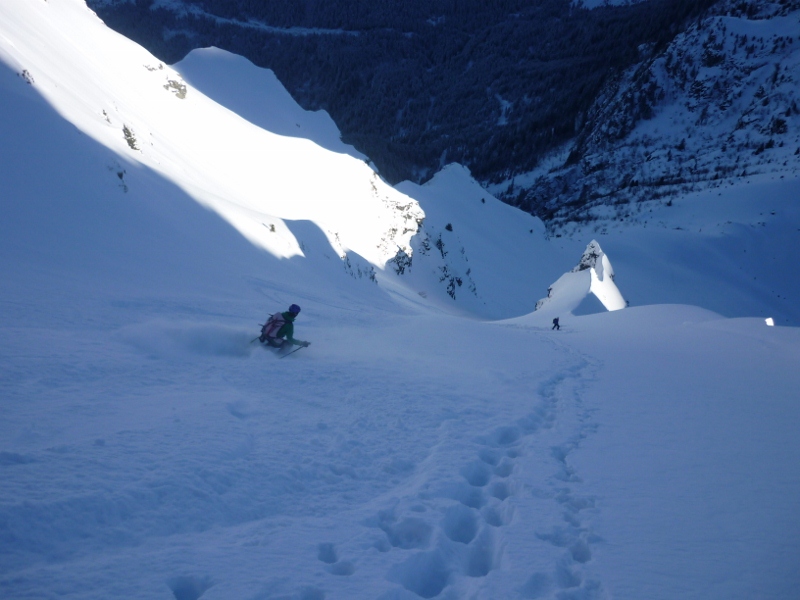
x=122, y=96
x=770, y=322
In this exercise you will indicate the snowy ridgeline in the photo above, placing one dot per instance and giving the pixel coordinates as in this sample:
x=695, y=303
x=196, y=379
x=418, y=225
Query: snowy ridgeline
x=717, y=106
x=258, y=180
x=455, y=260
x=281, y=177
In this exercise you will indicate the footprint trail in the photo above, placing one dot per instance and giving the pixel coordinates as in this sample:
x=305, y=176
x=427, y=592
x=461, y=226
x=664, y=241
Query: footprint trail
x=451, y=537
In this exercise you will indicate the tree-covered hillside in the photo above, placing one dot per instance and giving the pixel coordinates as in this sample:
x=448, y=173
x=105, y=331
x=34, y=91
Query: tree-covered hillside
x=492, y=84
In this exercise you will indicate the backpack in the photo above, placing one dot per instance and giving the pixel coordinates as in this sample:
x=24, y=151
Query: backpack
x=272, y=326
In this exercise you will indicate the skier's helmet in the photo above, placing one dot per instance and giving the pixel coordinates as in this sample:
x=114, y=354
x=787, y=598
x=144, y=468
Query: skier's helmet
x=294, y=309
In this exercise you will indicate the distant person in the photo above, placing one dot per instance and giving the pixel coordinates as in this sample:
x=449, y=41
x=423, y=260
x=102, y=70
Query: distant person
x=278, y=331
x=555, y=324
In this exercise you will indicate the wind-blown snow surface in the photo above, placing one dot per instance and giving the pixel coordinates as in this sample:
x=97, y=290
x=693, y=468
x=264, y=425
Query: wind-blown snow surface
x=148, y=450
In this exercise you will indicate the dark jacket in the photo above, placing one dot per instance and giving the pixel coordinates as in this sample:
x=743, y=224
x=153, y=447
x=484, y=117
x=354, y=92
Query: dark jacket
x=287, y=330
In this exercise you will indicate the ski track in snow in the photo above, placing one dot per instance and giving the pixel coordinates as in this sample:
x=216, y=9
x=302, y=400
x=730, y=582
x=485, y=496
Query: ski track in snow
x=575, y=534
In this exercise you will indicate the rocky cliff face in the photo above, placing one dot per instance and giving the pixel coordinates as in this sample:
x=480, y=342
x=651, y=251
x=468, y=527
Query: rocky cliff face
x=721, y=103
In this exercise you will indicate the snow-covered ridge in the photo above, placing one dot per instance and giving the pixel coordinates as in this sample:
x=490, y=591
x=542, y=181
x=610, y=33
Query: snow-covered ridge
x=229, y=135
x=120, y=95
x=475, y=252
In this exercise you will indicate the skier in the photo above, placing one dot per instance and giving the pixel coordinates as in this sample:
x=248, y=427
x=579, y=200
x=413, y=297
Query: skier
x=278, y=331
x=555, y=324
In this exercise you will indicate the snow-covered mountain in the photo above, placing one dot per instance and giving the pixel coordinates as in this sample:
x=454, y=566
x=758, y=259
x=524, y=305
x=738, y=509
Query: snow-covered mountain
x=493, y=86
x=149, y=449
x=146, y=113
x=717, y=107
x=281, y=177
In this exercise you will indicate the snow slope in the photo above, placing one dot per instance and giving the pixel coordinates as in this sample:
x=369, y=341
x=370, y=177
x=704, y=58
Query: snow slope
x=149, y=450
x=257, y=95
x=255, y=179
